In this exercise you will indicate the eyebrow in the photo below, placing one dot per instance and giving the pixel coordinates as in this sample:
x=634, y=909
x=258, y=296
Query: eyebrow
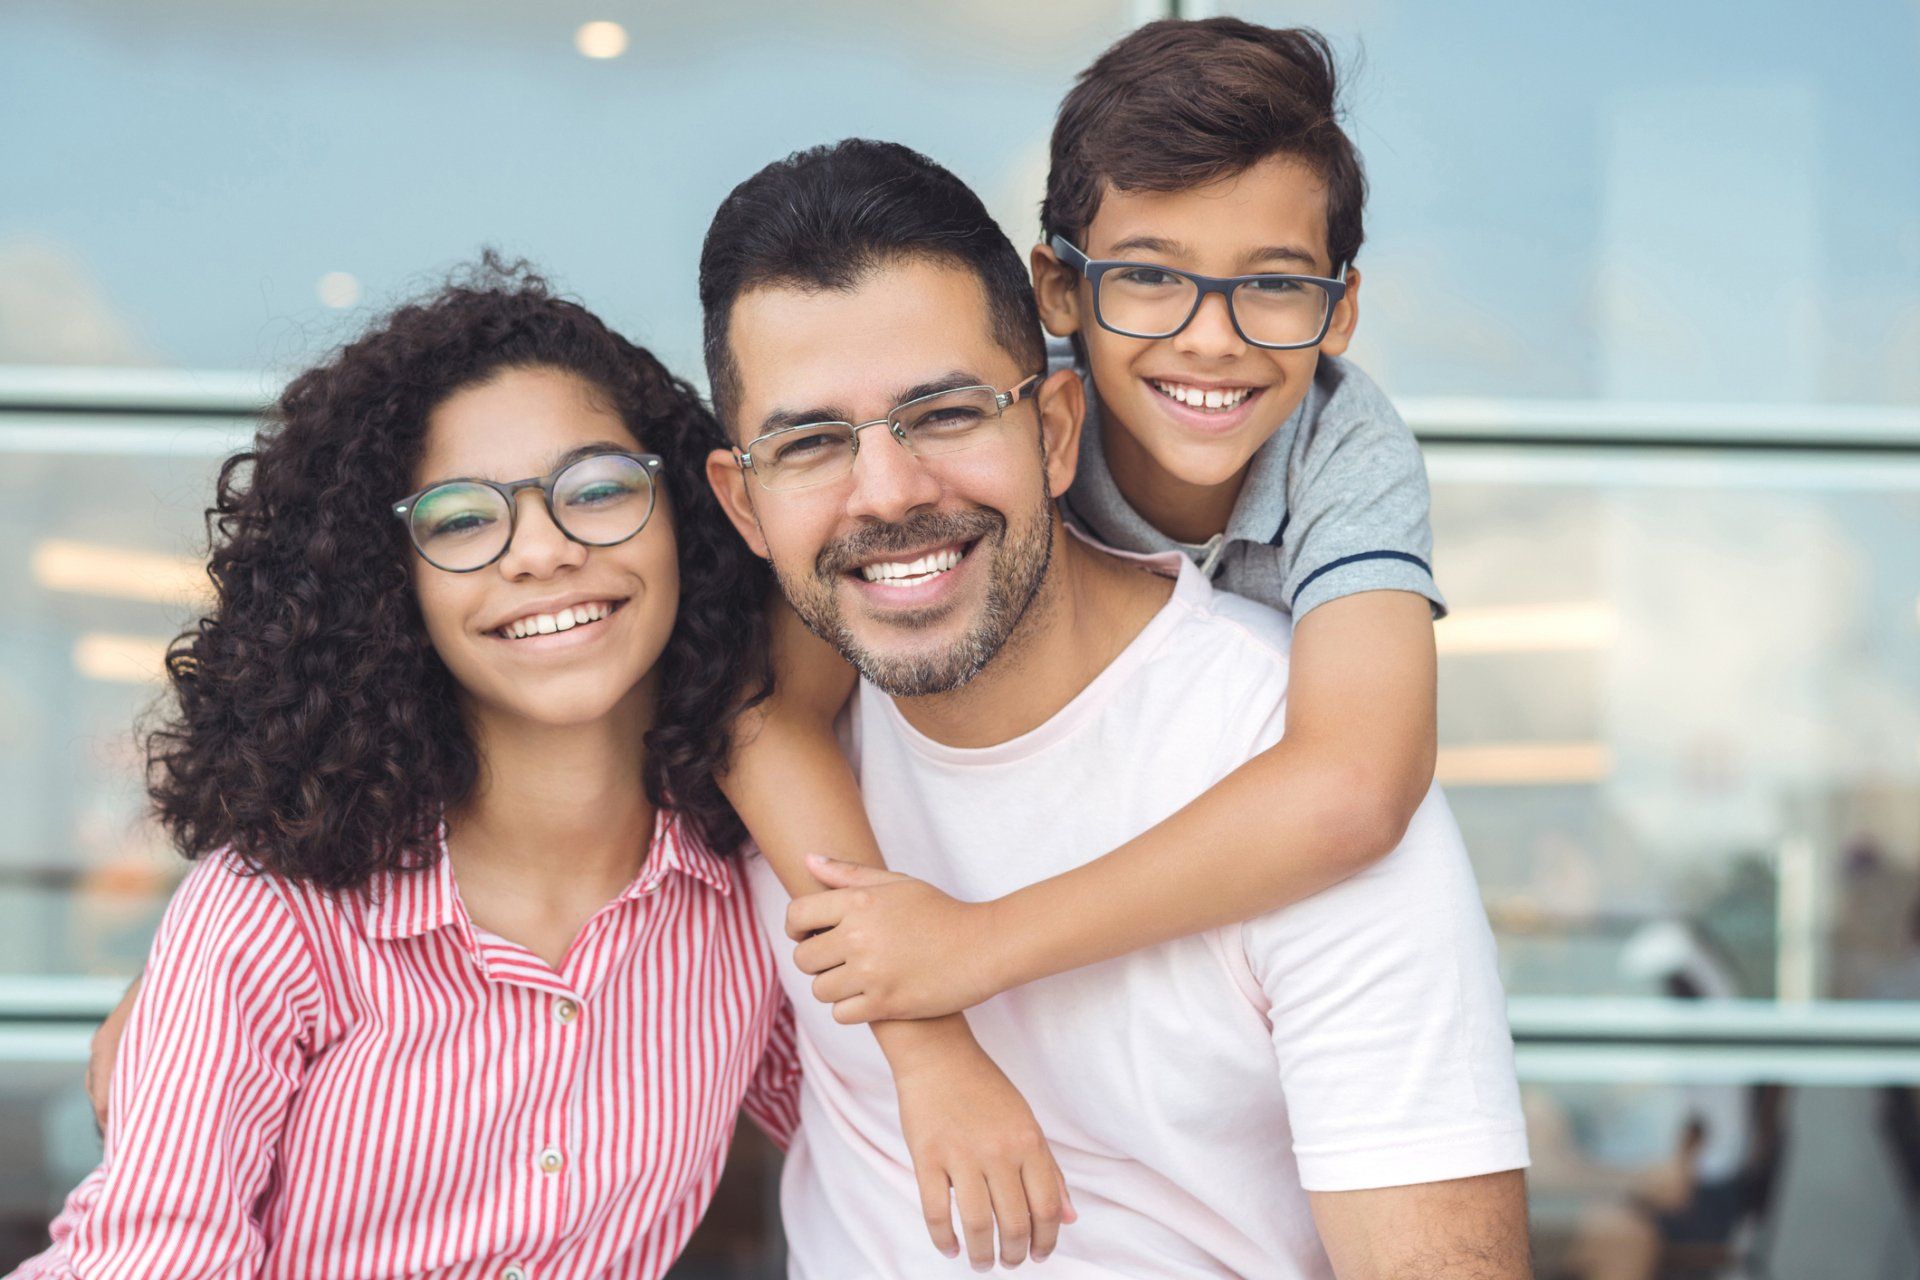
x=781, y=419
x=554, y=463
x=1174, y=249
x=578, y=452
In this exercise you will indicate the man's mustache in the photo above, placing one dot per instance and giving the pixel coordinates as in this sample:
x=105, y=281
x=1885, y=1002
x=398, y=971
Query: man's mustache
x=930, y=528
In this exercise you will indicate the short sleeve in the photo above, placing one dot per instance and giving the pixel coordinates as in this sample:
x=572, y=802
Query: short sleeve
x=772, y=1099
x=1357, y=502
x=215, y=1048
x=1389, y=1022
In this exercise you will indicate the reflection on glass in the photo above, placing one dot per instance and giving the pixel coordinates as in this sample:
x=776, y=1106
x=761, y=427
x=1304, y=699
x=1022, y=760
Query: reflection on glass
x=1682, y=686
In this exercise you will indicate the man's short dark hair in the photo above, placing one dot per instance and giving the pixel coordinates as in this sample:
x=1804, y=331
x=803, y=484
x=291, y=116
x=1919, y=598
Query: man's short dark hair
x=823, y=218
x=1179, y=104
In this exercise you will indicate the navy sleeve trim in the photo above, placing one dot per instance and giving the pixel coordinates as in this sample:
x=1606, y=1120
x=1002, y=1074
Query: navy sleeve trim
x=1354, y=559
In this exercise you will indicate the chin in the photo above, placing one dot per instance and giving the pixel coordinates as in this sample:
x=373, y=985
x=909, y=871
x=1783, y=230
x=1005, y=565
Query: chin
x=1207, y=465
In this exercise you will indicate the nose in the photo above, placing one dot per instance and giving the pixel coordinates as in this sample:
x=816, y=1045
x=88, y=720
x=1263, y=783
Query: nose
x=539, y=549
x=1210, y=334
x=889, y=483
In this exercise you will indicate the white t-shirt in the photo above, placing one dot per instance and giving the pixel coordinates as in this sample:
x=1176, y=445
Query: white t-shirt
x=1193, y=1091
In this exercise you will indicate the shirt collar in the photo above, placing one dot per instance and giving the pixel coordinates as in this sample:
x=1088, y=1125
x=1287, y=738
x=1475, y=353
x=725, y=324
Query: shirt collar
x=677, y=847
x=406, y=904
x=1259, y=513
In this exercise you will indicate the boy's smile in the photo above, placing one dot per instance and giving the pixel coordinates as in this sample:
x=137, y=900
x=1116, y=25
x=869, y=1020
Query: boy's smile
x=1183, y=416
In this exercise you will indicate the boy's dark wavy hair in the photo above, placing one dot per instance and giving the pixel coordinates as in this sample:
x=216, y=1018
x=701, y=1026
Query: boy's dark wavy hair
x=313, y=729
x=1181, y=103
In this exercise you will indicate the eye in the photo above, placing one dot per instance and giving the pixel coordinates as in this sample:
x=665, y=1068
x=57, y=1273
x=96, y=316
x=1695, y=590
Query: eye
x=595, y=494
x=947, y=417
x=805, y=446
x=464, y=522
x=1149, y=277
x=1275, y=285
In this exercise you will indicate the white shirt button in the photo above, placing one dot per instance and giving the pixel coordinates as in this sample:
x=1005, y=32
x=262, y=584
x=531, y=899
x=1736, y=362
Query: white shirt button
x=514, y=1272
x=565, y=1011
x=551, y=1161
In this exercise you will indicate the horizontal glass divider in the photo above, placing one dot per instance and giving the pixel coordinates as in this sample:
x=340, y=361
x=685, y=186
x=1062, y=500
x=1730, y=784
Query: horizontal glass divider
x=1810, y=1067
x=121, y=436
x=31, y=1043
x=51, y=392
x=1567, y=1019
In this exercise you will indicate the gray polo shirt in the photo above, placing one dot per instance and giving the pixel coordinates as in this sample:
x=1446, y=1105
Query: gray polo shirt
x=1335, y=502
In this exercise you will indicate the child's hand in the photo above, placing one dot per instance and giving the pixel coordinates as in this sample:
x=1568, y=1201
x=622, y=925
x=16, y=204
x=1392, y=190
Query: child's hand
x=970, y=1132
x=895, y=948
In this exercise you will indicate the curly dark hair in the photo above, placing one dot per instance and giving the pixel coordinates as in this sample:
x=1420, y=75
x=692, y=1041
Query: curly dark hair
x=313, y=729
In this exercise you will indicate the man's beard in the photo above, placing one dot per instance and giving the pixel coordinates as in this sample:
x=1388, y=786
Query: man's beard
x=1017, y=566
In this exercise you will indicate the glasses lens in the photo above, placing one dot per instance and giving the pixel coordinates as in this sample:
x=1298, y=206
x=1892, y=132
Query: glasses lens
x=809, y=455
x=947, y=422
x=603, y=499
x=460, y=526
x=1145, y=301
x=1281, y=313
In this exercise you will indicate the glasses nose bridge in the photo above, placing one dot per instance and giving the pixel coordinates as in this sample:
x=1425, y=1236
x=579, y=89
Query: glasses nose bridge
x=891, y=422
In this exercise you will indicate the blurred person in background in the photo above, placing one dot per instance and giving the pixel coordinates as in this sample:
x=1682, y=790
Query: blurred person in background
x=1703, y=1206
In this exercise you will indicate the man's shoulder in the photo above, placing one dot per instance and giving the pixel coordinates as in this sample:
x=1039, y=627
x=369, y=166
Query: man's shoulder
x=1223, y=618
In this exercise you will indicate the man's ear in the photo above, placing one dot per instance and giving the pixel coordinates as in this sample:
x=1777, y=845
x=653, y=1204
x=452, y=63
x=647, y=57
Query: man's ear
x=1346, y=317
x=728, y=480
x=1062, y=401
x=1056, y=287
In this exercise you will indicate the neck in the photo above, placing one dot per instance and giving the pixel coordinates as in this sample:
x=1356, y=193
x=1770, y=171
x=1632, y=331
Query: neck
x=1088, y=608
x=559, y=811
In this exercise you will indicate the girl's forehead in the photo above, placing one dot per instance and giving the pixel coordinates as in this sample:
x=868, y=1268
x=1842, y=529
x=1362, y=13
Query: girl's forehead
x=517, y=424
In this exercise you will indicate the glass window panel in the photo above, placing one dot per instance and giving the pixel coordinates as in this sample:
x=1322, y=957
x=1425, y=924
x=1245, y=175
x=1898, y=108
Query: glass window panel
x=101, y=554
x=220, y=184
x=1682, y=688
x=1638, y=200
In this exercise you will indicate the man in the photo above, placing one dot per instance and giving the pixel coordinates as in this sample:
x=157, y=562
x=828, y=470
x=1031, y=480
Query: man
x=1325, y=1089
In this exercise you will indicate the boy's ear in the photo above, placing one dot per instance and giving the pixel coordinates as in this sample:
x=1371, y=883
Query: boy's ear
x=1056, y=287
x=1062, y=401
x=1346, y=317
x=728, y=480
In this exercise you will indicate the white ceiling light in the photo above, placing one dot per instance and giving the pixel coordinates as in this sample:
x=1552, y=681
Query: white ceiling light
x=600, y=39
x=121, y=659
x=90, y=569
x=337, y=289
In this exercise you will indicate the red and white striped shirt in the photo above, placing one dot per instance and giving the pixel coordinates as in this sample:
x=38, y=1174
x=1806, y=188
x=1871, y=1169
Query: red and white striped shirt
x=369, y=1085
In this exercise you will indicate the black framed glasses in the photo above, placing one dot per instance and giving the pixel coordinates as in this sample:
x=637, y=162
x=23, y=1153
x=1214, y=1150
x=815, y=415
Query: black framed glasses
x=1280, y=312
x=812, y=453
x=600, y=500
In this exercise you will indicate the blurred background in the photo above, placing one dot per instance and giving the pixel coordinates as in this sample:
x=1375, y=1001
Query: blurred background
x=1644, y=277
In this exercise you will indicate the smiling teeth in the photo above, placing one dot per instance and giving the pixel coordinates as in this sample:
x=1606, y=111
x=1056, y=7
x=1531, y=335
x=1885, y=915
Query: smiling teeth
x=925, y=569
x=1203, y=397
x=546, y=624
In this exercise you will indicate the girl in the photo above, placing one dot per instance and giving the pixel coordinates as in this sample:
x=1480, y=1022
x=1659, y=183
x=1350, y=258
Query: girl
x=464, y=982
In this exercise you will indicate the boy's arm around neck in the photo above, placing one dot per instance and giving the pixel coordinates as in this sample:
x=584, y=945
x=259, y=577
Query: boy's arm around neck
x=1331, y=798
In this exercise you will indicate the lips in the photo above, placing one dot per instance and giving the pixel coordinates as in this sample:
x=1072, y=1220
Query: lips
x=912, y=573
x=566, y=618
x=1217, y=399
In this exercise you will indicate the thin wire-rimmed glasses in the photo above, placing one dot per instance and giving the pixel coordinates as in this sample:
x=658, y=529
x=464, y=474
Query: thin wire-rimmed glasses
x=811, y=453
x=1280, y=312
x=600, y=500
